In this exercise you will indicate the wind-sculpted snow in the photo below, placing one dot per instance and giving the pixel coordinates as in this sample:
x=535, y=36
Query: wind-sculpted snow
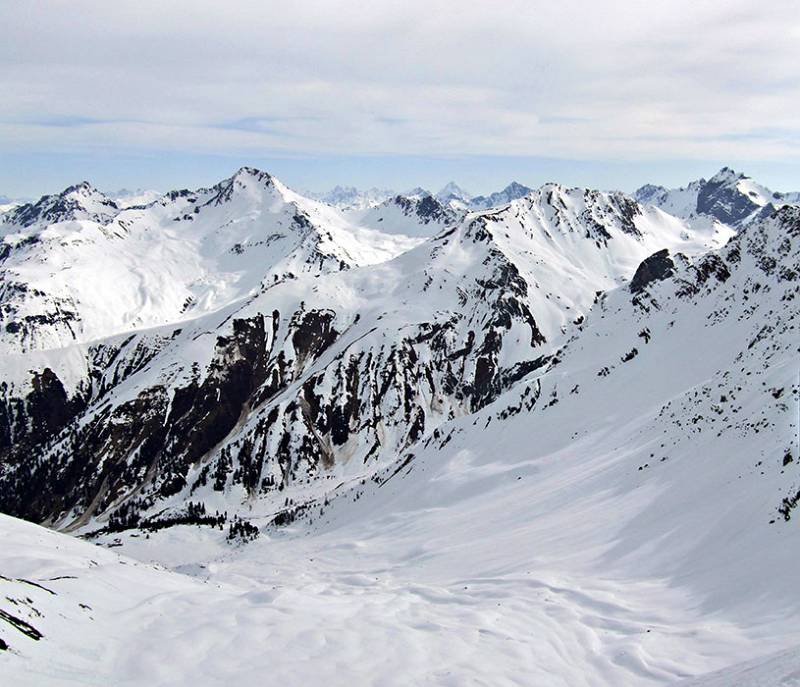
x=330, y=609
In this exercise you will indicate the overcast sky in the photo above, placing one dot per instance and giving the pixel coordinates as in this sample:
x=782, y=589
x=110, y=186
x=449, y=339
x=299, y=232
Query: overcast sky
x=608, y=94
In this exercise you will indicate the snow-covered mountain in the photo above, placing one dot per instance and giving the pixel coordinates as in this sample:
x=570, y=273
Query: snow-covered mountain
x=728, y=197
x=511, y=192
x=76, y=267
x=7, y=204
x=416, y=193
x=551, y=442
x=453, y=195
x=413, y=214
x=79, y=202
x=459, y=199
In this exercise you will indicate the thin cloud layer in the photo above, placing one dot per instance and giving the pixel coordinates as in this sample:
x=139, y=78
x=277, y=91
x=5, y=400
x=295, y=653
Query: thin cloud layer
x=611, y=80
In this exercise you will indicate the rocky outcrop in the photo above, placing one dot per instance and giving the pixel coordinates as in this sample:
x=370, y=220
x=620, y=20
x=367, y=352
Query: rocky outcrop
x=655, y=268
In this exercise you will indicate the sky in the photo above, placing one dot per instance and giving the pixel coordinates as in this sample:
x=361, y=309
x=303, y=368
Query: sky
x=607, y=94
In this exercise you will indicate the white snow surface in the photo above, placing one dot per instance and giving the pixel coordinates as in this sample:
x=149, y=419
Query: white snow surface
x=781, y=669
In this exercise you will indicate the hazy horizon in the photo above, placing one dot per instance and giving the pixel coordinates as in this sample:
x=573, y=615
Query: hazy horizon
x=315, y=176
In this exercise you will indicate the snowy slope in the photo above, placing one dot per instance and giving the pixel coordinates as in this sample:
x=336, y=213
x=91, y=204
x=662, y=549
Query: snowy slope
x=779, y=669
x=619, y=518
x=68, y=608
x=419, y=215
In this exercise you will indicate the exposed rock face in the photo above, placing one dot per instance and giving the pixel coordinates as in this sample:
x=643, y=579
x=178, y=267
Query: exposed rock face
x=655, y=268
x=427, y=208
x=724, y=201
x=43, y=413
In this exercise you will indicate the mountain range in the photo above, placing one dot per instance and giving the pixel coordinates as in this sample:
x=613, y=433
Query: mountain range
x=549, y=433
x=451, y=195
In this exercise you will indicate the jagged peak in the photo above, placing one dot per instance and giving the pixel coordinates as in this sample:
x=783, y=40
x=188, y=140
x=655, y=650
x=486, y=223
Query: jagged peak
x=726, y=175
x=452, y=189
x=78, y=201
x=516, y=187
x=81, y=187
x=649, y=191
x=551, y=190
x=426, y=207
x=245, y=178
x=247, y=172
x=416, y=192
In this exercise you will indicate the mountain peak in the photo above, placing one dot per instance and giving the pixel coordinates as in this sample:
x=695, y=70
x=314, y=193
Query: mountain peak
x=516, y=189
x=513, y=191
x=80, y=187
x=726, y=175
x=81, y=201
x=247, y=179
x=417, y=192
x=452, y=191
x=246, y=172
x=729, y=197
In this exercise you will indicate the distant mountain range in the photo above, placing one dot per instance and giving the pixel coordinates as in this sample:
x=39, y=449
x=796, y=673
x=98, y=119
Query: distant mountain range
x=452, y=195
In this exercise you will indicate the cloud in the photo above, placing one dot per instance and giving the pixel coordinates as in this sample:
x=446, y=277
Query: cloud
x=621, y=80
